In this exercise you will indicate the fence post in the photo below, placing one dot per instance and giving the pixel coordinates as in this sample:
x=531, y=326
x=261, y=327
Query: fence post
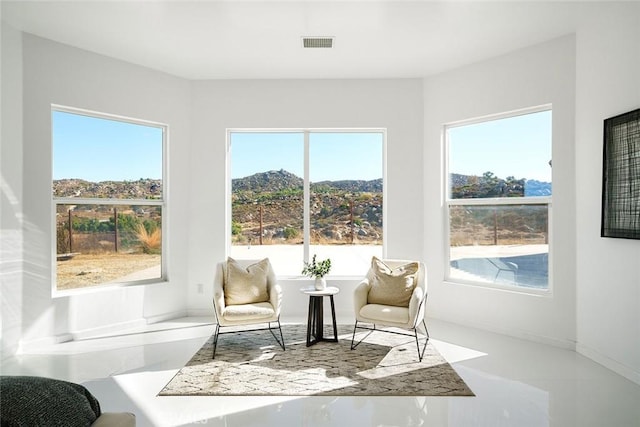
x=70, y=235
x=260, y=207
x=351, y=220
x=115, y=221
x=495, y=226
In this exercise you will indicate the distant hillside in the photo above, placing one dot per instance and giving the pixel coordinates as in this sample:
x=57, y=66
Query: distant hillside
x=283, y=181
x=274, y=181
x=533, y=187
x=264, y=182
x=140, y=189
x=373, y=186
x=267, y=181
x=271, y=204
x=489, y=185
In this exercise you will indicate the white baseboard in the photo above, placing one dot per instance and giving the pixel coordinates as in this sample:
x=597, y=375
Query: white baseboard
x=107, y=329
x=166, y=316
x=26, y=346
x=200, y=312
x=118, y=327
x=609, y=363
x=515, y=333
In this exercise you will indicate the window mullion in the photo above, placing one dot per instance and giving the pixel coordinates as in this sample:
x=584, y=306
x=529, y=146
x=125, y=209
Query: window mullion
x=307, y=200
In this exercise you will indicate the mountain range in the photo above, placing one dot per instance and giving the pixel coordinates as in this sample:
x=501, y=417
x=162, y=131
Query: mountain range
x=144, y=188
x=488, y=185
x=263, y=182
x=272, y=181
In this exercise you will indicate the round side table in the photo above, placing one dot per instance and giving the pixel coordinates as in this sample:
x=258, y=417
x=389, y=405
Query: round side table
x=315, y=321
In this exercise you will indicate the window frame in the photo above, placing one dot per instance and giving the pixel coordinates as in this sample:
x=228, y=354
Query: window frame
x=162, y=203
x=306, y=186
x=448, y=202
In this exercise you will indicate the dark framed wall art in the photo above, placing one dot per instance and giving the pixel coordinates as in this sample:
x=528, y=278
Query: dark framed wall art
x=621, y=177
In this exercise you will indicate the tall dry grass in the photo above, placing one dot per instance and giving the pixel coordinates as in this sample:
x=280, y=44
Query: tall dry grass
x=151, y=243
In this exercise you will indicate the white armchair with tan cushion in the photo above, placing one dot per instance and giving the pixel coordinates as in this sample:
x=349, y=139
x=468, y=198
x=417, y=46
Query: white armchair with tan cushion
x=392, y=295
x=245, y=292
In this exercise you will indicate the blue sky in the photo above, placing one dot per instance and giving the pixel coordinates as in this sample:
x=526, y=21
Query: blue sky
x=518, y=146
x=97, y=149
x=334, y=156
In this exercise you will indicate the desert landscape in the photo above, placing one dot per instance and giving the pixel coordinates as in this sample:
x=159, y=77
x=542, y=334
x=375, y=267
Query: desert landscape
x=84, y=270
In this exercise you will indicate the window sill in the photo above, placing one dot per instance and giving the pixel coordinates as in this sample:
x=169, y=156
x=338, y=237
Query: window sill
x=105, y=287
x=521, y=290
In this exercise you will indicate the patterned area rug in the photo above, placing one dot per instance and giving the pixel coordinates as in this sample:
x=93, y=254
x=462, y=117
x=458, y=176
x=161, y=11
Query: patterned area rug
x=253, y=364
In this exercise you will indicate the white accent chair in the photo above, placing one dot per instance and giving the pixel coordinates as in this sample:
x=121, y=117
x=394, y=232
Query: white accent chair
x=409, y=316
x=229, y=314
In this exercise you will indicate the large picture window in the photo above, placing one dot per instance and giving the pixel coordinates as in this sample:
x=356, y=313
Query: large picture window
x=299, y=193
x=499, y=200
x=108, y=199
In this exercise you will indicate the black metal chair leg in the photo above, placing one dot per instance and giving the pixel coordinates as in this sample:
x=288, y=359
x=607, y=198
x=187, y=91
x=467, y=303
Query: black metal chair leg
x=424, y=348
x=421, y=352
x=281, y=343
x=281, y=336
x=353, y=346
x=353, y=337
x=215, y=340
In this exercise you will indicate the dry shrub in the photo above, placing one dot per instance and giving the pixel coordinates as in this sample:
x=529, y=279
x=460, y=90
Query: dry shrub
x=151, y=243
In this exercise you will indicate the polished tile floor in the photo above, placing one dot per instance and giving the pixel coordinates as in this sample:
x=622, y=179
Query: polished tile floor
x=516, y=382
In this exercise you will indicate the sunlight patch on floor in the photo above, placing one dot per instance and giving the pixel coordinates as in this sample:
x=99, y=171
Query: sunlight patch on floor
x=454, y=353
x=179, y=410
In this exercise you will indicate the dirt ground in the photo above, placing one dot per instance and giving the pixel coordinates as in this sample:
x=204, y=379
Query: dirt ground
x=85, y=270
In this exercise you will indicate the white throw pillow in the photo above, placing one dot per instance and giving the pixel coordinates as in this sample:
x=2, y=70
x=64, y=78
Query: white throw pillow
x=392, y=286
x=246, y=285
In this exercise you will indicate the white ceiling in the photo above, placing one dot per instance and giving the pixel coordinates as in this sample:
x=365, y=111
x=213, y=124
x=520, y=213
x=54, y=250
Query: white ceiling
x=262, y=39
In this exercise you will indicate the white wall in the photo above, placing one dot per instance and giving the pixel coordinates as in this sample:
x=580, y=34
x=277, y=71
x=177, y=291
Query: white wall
x=11, y=235
x=59, y=74
x=608, y=273
x=530, y=77
x=218, y=105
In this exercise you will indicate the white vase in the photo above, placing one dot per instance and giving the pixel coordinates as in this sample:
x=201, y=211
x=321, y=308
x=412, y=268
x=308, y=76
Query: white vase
x=320, y=284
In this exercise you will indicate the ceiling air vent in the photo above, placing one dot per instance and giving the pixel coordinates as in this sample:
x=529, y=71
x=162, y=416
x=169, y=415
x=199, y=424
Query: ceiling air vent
x=317, y=42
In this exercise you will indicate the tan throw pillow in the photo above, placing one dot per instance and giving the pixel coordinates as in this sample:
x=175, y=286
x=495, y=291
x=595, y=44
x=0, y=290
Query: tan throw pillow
x=246, y=285
x=392, y=286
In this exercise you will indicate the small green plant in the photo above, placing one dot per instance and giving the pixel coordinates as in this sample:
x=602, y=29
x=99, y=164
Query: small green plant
x=316, y=269
x=290, y=233
x=236, y=228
